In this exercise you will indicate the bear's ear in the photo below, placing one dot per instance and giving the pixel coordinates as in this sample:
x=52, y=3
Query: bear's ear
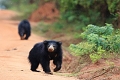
x=60, y=43
x=45, y=42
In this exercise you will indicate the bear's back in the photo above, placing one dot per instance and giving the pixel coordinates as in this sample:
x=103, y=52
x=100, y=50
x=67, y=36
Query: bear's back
x=25, y=24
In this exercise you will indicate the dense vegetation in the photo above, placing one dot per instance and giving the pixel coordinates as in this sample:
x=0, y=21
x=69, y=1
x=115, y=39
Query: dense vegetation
x=77, y=12
x=99, y=41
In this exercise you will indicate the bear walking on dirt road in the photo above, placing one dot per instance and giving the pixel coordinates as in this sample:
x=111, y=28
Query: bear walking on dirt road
x=24, y=29
x=43, y=52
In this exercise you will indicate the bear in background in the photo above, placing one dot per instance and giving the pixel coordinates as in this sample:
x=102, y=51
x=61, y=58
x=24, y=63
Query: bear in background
x=43, y=52
x=24, y=29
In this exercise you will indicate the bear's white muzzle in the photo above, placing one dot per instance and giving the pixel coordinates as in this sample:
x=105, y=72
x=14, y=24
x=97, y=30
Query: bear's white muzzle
x=51, y=48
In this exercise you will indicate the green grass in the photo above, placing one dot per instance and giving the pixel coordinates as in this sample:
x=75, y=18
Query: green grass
x=24, y=10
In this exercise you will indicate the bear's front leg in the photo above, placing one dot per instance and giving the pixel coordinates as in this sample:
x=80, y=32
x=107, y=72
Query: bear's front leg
x=45, y=66
x=34, y=66
x=58, y=65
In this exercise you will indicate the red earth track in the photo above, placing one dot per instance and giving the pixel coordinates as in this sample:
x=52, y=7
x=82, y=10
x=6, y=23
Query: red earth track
x=14, y=64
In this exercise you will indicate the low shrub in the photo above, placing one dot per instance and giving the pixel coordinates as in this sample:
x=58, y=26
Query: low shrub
x=97, y=42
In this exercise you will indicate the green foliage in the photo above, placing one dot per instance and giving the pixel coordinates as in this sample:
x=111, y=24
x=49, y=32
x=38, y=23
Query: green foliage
x=113, y=5
x=100, y=39
x=26, y=10
x=57, y=27
x=72, y=10
x=22, y=6
x=82, y=48
x=97, y=55
x=9, y=3
x=102, y=36
x=89, y=11
x=41, y=28
x=71, y=4
x=114, y=43
x=93, y=29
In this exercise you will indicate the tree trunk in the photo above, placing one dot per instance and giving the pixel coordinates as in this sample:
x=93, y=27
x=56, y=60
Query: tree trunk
x=104, y=12
x=31, y=1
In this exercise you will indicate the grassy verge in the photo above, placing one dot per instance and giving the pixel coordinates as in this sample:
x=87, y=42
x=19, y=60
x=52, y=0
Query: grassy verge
x=24, y=10
x=58, y=31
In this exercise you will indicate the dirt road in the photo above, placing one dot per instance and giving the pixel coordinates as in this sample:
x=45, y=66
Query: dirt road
x=13, y=53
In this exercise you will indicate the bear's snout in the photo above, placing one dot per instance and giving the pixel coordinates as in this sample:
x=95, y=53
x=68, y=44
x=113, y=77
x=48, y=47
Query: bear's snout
x=51, y=48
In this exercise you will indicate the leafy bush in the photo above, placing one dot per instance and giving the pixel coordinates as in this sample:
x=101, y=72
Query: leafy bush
x=98, y=40
x=97, y=55
x=80, y=48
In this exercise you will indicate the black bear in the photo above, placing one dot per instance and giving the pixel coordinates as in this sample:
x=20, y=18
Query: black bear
x=43, y=52
x=24, y=29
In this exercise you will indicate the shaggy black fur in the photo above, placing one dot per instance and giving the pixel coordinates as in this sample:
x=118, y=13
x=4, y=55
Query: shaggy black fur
x=40, y=54
x=24, y=30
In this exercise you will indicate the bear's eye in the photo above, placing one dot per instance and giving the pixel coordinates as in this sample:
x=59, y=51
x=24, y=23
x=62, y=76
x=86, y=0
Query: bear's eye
x=53, y=46
x=48, y=46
